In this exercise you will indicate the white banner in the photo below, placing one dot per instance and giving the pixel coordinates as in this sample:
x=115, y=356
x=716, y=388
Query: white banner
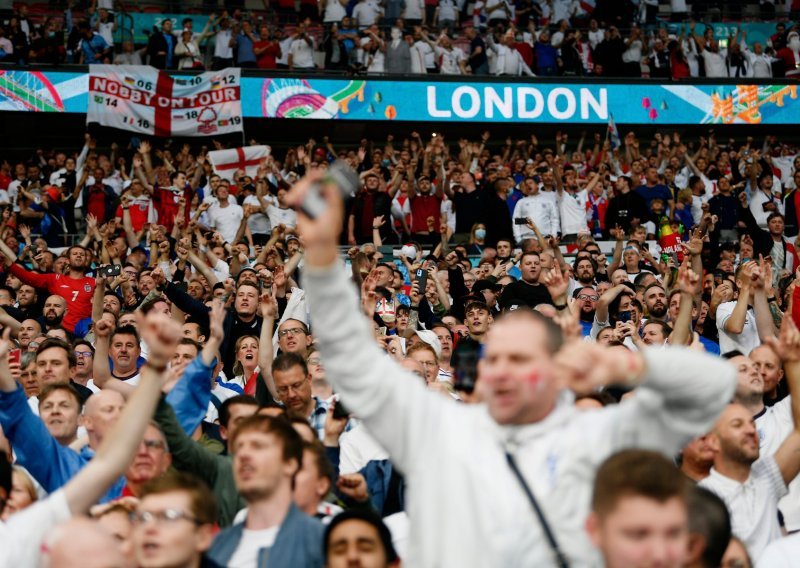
x=227, y=162
x=145, y=100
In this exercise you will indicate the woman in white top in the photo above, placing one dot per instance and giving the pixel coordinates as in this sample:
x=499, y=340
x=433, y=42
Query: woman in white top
x=188, y=48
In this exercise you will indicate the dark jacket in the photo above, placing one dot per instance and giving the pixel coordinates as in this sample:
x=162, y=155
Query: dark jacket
x=158, y=43
x=233, y=327
x=623, y=208
x=298, y=543
x=191, y=457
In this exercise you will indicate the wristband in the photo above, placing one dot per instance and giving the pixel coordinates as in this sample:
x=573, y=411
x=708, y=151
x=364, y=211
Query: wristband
x=414, y=308
x=560, y=307
x=772, y=299
x=156, y=369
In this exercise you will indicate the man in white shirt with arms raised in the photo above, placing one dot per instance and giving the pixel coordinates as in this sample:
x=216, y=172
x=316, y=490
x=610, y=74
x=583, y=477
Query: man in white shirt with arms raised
x=529, y=417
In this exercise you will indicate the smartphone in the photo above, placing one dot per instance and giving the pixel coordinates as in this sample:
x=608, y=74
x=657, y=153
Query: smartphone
x=15, y=356
x=465, y=364
x=110, y=270
x=340, y=410
x=382, y=330
x=520, y=221
x=421, y=276
x=624, y=316
x=340, y=175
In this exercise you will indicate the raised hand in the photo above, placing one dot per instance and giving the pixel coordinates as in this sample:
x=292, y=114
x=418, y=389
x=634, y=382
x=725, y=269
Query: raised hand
x=688, y=280
x=103, y=328
x=555, y=282
x=585, y=366
x=354, y=486
x=787, y=344
x=161, y=333
x=216, y=320
x=269, y=306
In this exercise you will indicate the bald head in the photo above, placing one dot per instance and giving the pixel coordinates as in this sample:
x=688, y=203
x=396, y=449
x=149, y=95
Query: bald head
x=100, y=413
x=83, y=543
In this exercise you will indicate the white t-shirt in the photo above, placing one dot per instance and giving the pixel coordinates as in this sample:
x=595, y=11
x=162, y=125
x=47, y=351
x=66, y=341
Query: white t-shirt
x=745, y=341
x=449, y=60
x=753, y=504
x=302, y=54
x=246, y=555
x=367, y=13
x=782, y=553
x=773, y=425
x=572, y=210
x=257, y=222
x=357, y=448
x=285, y=217
x=334, y=12
x=222, y=48
x=715, y=64
x=22, y=536
x=226, y=220
x=414, y=9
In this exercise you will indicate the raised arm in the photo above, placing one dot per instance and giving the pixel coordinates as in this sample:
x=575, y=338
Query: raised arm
x=689, y=286
x=403, y=417
x=787, y=346
x=269, y=311
x=735, y=322
x=119, y=446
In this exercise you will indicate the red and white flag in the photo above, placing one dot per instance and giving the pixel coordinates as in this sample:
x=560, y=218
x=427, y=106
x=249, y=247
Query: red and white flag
x=227, y=162
x=145, y=100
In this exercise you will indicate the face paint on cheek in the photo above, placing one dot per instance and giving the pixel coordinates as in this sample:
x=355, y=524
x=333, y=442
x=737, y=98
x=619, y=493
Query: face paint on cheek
x=536, y=379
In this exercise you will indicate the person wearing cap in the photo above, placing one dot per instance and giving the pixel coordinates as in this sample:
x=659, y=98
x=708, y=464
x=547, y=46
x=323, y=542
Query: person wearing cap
x=527, y=376
x=358, y=538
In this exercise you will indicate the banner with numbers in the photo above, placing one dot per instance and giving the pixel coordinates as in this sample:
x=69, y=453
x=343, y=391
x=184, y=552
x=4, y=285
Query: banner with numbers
x=143, y=99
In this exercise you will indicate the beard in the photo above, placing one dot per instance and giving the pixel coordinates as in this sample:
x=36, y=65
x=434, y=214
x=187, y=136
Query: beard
x=586, y=316
x=53, y=321
x=658, y=311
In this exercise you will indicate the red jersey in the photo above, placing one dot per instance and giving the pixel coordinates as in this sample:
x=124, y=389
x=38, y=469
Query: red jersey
x=166, y=202
x=422, y=207
x=141, y=212
x=78, y=292
x=97, y=203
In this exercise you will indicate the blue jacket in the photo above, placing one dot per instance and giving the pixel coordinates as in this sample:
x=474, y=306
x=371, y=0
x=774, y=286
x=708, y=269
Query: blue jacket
x=378, y=474
x=191, y=395
x=298, y=543
x=50, y=463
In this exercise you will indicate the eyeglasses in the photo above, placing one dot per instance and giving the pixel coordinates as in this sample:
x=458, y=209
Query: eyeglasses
x=588, y=297
x=83, y=354
x=168, y=516
x=313, y=362
x=153, y=444
x=293, y=331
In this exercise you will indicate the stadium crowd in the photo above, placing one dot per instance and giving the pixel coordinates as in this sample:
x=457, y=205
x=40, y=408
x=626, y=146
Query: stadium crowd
x=175, y=343
x=525, y=37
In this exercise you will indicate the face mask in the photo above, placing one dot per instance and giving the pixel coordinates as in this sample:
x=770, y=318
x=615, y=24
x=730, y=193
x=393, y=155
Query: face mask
x=480, y=234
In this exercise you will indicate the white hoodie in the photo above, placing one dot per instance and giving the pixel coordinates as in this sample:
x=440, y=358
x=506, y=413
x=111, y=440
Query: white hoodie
x=465, y=506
